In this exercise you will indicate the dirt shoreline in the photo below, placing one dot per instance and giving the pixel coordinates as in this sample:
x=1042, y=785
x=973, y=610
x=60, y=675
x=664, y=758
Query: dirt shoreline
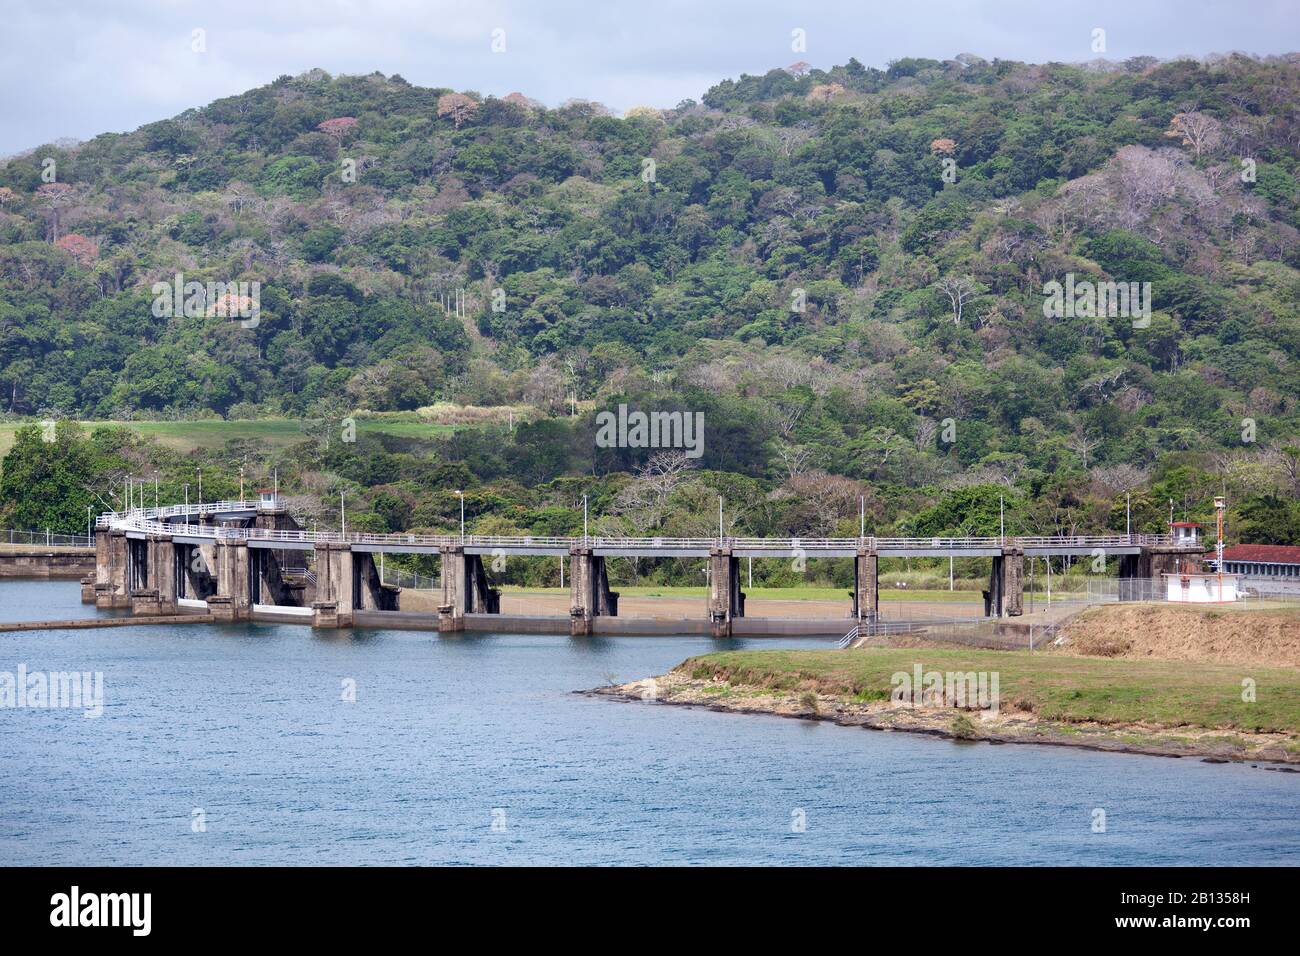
x=1016, y=727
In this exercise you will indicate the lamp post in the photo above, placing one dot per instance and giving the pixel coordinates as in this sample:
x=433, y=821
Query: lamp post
x=199, y=471
x=1219, y=503
x=1128, y=516
x=719, y=521
x=241, y=483
x=461, y=495
x=584, y=521
x=343, y=517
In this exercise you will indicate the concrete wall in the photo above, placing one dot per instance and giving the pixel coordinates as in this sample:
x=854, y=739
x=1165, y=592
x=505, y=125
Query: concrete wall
x=36, y=563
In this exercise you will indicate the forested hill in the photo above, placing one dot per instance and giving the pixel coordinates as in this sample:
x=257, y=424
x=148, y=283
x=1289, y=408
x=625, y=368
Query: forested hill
x=830, y=264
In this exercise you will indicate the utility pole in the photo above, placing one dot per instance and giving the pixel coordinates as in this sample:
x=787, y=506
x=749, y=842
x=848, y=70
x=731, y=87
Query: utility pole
x=461, y=494
x=584, y=521
x=719, y=521
x=1002, y=521
x=1219, y=503
x=1128, y=516
x=343, y=517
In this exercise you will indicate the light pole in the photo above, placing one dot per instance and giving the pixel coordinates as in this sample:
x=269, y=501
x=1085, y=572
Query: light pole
x=1219, y=503
x=199, y=471
x=90, y=525
x=343, y=517
x=584, y=521
x=187, y=500
x=1128, y=516
x=461, y=495
x=241, y=482
x=1002, y=521
x=719, y=521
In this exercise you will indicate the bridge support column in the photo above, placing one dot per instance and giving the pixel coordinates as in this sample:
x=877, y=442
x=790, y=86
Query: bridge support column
x=451, y=612
x=335, y=586
x=111, y=570
x=866, y=586
x=589, y=593
x=726, y=600
x=158, y=596
x=232, y=600
x=1013, y=583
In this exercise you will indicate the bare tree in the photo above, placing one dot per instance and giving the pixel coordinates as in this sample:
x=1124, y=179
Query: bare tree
x=1198, y=130
x=959, y=290
x=1120, y=479
x=1287, y=460
x=644, y=501
x=925, y=432
x=794, y=457
x=1083, y=446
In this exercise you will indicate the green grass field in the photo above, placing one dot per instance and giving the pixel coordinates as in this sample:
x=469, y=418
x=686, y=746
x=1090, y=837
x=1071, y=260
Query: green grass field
x=1054, y=686
x=187, y=436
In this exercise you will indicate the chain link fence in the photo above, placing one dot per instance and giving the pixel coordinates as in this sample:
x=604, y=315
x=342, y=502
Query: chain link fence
x=45, y=539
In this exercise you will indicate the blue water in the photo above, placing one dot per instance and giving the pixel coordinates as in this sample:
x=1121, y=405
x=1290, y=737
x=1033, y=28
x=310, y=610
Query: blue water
x=46, y=601
x=247, y=724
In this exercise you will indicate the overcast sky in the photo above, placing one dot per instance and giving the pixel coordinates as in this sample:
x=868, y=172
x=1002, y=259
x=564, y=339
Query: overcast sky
x=74, y=68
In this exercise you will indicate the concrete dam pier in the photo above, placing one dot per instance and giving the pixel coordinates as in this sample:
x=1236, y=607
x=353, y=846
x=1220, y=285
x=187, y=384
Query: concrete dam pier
x=249, y=560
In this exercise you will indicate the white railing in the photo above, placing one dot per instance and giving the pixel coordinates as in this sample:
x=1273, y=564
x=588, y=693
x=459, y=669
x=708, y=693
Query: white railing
x=307, y=574
x=155, y=521
x=47, y=539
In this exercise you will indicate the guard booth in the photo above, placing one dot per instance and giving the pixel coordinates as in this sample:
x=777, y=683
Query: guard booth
x=1185, y=533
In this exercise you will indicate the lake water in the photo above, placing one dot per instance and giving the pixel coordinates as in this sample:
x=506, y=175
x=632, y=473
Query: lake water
x=473, y=749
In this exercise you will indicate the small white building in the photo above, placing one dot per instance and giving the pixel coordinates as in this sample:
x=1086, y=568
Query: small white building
x=1185, y=532
x=1201, y=588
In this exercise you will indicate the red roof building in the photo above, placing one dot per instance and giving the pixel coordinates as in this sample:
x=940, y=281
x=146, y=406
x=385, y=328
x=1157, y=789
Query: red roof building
x=1265, y=560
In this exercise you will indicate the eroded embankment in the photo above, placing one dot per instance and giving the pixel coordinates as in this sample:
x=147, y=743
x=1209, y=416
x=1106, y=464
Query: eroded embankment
x=1219, y=712
x=1231, y=635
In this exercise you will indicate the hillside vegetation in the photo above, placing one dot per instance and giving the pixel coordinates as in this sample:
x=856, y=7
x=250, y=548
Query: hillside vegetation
x=842, y=269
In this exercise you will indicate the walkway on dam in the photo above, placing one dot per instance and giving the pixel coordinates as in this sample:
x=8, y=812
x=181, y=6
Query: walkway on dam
x=229, y=558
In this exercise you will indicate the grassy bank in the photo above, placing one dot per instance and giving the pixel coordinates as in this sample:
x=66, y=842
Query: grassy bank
x=1052, y=687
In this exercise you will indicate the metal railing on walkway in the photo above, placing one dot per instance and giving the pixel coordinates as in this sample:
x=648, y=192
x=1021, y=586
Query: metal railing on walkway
x=163, y=521
x=46, y=539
